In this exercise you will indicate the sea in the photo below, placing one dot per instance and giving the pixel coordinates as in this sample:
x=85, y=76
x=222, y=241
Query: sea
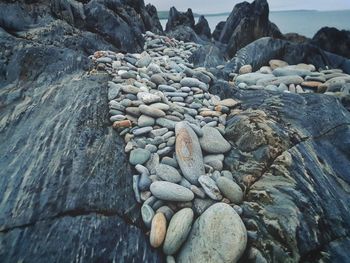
x=303, y=22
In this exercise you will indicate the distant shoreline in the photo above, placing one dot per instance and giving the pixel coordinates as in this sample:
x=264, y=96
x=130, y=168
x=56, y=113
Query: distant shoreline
x=165, y=14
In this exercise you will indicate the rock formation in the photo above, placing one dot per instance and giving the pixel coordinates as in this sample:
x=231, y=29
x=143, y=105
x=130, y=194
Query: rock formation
x=202, y=28
x=246, y=23
x=333, y=40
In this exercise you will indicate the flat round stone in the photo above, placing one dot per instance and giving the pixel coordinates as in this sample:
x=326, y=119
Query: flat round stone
x=168, y=173
x=139, y=156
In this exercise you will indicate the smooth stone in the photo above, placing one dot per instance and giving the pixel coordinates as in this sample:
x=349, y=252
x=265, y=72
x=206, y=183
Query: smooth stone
x=292, y=79
x=144, y=121
x=265, y=70
x=290, y=71
x=227, y=174
x=160, y=106
x=134, y=111
x=139, y=156
x=245, y=69
x=213, y=142
x=192, y=82
x=144, y=61
x=167, y=88
x=171, y=192
x=147, y=215
x=117, y=118
x=128, y=75
x=165, y=151
x=142, y=131
x=218, y=235
x=159, y=132
x=276, y=63
x=158, y=79
x=104, y=60
x=169, y=124
x=252, y=78
x=158, y=230
x=215, y=161
x=171, y=141
x=230, y=190
x=113, y=90
x=148, y=98
x=168, y=173
x=197, y=191
x=151, y=111
x=151, y=148
x=188, y=152
x=144, y=182
x=170, y=161
x=130, y=89
x=210, y=187
x=178, y=230
x=141, y=169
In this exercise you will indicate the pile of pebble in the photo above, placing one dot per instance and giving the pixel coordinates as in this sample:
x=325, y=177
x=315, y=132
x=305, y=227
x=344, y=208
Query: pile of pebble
x=301, y=78
x=174, y=133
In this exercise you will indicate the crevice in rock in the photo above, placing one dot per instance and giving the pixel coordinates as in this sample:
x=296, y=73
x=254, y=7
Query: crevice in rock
x=75, y=213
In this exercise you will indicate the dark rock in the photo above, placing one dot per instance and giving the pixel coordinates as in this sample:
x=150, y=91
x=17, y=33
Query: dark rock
x=202, y=28
x=208, y=56
x=246, y=23
x=58, y=151
x=153, y=24
x=184, y=33
x=333, y=40
x=296, y=38
x=177, y=18
x=218, y=29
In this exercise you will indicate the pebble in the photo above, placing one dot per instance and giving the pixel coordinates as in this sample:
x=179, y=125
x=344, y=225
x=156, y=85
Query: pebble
x=151, y=111
x=147, y=215
x=144, y=121
x=139, y=156
x=210, y=187
x=144, y=182
x=148, y=98
x=213, y=142
x=158, y=79
x=168, y=173
x=227, y=234
x=171, y=192
x=113, y=90
x=192, y=82
x=245, y=69
x=230, y=190
x=215, y=161
x=163, y=122
x=188, y=152
x=158, y=230
x=142, y=131
x=178, y=230
x=167, y=211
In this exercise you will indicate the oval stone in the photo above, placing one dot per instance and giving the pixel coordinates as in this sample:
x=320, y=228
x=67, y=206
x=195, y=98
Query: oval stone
x=188, y=152
x=158, y=230
x=218, y=235
x=213, y=142
x=171, y=192
x=168, y=173
x=178, y=230
x=151, y=111
x=230, y=189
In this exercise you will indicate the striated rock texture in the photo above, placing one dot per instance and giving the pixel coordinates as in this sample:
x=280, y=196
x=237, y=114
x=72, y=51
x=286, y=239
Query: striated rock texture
x=333, y=40
x=246, y=23
x=64, y=178
x=291, y=152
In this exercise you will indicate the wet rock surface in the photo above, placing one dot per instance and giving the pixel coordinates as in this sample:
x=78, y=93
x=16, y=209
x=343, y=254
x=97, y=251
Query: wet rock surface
x=68, y=130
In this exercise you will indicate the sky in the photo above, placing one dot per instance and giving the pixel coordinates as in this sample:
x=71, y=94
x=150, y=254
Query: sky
x=220, y=6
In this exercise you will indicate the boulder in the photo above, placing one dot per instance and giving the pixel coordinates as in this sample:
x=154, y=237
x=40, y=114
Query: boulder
x=218, y=235
x=333, y=40
x=177, y=18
